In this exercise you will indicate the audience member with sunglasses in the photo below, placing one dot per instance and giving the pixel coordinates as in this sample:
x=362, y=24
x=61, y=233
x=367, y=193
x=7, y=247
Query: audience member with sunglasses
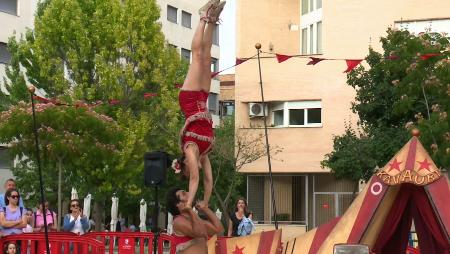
x=12, y=217
x=75, y=221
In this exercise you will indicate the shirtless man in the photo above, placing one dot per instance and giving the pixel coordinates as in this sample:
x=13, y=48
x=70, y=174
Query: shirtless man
x=191, y=232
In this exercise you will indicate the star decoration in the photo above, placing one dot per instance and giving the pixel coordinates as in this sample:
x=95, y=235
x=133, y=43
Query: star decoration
x=424, y=165
x=395, y=165
x=238, y=250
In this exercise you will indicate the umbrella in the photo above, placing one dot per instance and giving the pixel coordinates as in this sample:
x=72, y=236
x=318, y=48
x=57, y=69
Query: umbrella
x=114, y=212
x=74, y=194
x=218, y=214
x=87, y=205
x=142, y=215
x=169, y=223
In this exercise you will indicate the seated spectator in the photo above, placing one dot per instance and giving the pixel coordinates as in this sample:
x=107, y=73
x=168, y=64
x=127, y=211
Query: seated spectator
x=12, y=217
x=75, y=221
x=38, y=219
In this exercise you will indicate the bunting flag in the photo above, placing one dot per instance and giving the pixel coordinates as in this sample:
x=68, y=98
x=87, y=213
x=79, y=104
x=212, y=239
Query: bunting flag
x=215, y=73
x=179, y=86
x=241, y=60
x=149, y=95
x=267, y=242
x=315, y=60
x=281, y=58
x=427, y=56
x=114, y=102
x=351, y=64
x=393, y=57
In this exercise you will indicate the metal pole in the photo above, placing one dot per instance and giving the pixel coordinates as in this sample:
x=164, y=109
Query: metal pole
x=32, y=89
x=155, y=223
x=258, y=48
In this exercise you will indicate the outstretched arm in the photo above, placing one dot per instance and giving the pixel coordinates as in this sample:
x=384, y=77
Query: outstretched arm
x=191, y=162
x=213, y=225
x=207, y=178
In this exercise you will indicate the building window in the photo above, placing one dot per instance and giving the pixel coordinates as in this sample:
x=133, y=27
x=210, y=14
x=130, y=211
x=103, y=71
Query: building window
x=278, y=117
x=5, y=56
x=215, y=38
x=214, y=64
x=226, y=108
x=298, y=113
x=305, y=7
x=319, y=37
x=305, y=41
x=172, y=14
x=9, y=6
x=5, y=163
x=186, y=19
x=213, y=103
x=310, y=6
x=312, y=39
x=186, y=55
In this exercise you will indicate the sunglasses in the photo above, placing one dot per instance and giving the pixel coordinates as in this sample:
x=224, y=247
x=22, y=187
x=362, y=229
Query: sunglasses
x=14, y=196
x=74, y=205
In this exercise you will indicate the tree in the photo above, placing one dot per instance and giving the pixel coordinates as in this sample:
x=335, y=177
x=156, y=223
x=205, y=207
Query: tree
x=233, y=149
x=107, y=50
x=407, y=86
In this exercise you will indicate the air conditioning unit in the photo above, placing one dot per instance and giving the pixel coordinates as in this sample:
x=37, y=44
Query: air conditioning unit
x=256, y=109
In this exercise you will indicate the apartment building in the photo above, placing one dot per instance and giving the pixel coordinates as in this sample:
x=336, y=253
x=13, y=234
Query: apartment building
x=15, y=17
x=179, y=18
x=307, y=105
x=226, y=97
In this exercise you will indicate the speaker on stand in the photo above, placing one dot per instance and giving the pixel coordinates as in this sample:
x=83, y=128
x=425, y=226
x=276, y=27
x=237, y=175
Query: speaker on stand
x=155, y=166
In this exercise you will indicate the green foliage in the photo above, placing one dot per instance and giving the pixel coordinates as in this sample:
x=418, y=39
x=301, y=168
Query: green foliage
x=89, y=51
x=393, y=96
x=80, y=140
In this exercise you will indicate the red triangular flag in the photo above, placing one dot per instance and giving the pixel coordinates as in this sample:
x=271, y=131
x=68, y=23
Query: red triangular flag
x=351, y=64
x=315, y=60
x=114, y=102
x=150, y=95
x=282, y=58
x=179, y=85
x=393, y=57
x=215, y=74
x=41, y=99
x=240, y=60
x=427, y=56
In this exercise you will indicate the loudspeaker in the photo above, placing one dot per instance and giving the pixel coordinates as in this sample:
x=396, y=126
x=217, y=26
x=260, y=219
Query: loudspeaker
x=155, y=165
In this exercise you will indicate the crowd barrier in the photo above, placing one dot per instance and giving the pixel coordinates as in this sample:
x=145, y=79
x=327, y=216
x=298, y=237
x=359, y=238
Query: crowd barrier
x=126, y=242
x=60, y=243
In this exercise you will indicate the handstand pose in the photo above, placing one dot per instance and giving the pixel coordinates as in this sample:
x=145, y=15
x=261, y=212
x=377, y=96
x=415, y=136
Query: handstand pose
x=197, y=136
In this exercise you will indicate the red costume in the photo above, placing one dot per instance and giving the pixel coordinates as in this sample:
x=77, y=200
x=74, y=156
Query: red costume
x=198, y=126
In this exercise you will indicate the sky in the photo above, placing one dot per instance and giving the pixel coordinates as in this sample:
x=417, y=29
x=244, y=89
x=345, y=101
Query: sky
x=227, y=38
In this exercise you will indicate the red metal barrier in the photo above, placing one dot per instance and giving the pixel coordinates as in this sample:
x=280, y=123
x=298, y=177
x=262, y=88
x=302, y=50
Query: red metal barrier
x=60, y=243
x=125, y=241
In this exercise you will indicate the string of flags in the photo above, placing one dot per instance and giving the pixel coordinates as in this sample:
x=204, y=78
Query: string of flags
x=351, y=64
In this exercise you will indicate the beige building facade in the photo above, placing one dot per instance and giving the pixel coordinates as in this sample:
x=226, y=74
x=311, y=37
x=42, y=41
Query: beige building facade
x=179, y=18
x=307, y=105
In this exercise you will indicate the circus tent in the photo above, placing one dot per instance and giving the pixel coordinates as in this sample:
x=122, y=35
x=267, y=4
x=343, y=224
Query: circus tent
x=409, y=188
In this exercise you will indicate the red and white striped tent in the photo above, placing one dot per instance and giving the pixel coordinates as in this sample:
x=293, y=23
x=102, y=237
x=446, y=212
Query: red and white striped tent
x=409, y=188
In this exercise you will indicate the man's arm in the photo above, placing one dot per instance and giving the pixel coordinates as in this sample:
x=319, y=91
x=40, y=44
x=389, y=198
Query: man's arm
x=213, y=225
x=207, y=179
x=192, y=226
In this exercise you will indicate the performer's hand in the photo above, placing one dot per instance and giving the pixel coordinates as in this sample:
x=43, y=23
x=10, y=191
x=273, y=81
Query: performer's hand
x=186, y=209
x=201, y=205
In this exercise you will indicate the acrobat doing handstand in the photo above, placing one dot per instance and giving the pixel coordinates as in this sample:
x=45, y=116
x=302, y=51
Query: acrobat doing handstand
x=197, y=135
